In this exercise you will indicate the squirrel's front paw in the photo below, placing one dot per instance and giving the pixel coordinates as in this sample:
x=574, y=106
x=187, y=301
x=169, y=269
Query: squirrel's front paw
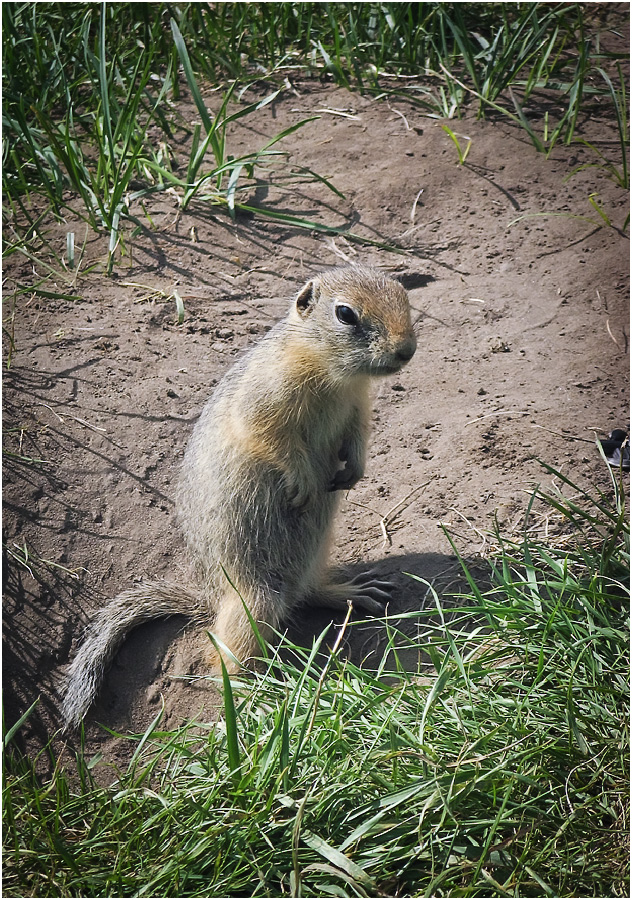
x=345, y=479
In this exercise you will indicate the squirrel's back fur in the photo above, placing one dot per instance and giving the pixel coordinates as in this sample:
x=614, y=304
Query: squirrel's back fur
x=284, y=430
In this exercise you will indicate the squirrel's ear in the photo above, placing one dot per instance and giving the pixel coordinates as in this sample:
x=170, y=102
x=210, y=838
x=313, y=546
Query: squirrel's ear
x=307, y=297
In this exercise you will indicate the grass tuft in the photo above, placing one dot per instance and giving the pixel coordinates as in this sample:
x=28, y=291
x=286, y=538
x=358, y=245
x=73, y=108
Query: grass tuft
x=497, y=766
x=89, y=119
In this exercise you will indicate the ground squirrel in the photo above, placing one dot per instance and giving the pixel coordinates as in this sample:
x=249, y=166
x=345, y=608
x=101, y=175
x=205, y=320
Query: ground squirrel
x=283, y=432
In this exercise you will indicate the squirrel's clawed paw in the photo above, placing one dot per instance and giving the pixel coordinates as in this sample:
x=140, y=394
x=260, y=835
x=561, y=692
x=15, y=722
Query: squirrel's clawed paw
x=345, y=479
x=370, y=593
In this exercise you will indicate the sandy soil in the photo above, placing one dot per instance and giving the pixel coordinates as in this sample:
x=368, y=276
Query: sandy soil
x=520, y=293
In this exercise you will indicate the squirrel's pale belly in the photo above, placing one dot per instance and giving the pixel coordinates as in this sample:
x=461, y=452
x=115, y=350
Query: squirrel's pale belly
x=236, y=512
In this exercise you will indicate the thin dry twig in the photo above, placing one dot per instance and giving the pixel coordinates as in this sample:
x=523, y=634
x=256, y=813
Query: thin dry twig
x=387, y=519
x=499, y=412
x=338, y=112
x=401, y=115
x=609, y=330
x=567, y=437
x=480, y=533
x=394, y=511
x=75, y=418
x=338, y=252
x=414, y=209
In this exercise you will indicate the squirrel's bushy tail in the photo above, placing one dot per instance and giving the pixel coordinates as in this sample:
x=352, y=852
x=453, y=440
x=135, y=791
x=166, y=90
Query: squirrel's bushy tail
x=146, y=601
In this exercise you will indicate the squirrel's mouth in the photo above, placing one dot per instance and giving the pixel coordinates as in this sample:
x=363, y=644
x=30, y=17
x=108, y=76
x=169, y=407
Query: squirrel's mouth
x=384, y=368
x=392, y=361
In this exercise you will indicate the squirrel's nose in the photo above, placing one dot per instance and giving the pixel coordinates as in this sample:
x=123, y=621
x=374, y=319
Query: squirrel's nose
x=406, y=350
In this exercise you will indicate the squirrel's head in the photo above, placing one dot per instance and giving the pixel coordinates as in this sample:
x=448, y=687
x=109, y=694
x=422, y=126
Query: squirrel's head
x=358, y=321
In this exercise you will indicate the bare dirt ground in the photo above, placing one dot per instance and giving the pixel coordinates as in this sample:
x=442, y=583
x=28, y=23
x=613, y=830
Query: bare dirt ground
x=520, y=292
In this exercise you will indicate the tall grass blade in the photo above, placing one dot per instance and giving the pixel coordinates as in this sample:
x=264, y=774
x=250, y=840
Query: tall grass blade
x=620, y=104
x=13, y=730
x=207, y=122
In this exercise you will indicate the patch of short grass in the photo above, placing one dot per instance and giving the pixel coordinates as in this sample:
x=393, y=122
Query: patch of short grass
x=90, y=91
x=86, y=141
x=498, y=767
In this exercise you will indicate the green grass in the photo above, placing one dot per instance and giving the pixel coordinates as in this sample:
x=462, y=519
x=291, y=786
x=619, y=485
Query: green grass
x=498, y=766
x=91, y=91
x=88, y=129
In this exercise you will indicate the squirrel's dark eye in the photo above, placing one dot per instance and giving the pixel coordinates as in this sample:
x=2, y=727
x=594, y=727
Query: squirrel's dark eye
x=346, y=315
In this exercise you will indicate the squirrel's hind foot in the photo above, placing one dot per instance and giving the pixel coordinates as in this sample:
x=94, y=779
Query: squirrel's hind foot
x=365, y=591
x=370, y=593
